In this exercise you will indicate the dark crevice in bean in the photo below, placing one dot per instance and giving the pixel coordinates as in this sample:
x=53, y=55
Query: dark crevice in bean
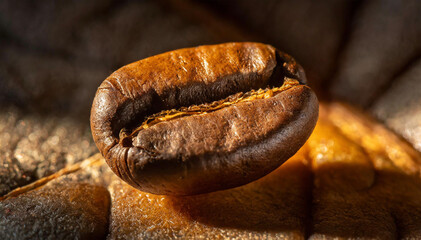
x=203, y=119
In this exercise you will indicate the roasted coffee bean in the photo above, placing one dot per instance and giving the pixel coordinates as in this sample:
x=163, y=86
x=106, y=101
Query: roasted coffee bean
x=203, y=119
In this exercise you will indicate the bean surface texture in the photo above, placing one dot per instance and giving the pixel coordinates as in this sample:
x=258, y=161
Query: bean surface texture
x=203, y=119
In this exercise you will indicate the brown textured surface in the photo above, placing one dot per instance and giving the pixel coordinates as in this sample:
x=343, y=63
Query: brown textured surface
x=205, y=152
x=257, y=210
x=371, y=190
x=74, y=206
x=34, y=146
x=53, y=55
x=64, y=211
x=353, y=179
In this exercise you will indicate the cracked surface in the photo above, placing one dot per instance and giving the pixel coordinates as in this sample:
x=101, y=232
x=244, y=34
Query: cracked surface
x=34, y=146
x=168, y=115
x=68, y=207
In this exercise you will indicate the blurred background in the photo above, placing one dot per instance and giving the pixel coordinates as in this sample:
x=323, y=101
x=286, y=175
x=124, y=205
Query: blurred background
x=54, y=54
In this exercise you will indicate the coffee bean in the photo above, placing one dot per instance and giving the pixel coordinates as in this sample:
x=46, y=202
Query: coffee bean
x=203, y=119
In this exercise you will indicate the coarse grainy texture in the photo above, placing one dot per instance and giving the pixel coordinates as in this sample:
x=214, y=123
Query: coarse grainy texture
x=34, y=146
x=57, y=211
x=74, y=204
x=207, y=151
x=353, y=179
x=366, y=179
x=261, y=209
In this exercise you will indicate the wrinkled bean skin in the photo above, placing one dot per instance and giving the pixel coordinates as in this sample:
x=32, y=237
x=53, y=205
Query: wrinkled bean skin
x=210, y=151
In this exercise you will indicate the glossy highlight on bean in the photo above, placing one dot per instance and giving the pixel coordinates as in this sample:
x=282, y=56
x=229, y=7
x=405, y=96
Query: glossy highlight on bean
x=203, y=119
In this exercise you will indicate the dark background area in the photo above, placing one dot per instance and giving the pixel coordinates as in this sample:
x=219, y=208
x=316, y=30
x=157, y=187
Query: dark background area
x=55, y=53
